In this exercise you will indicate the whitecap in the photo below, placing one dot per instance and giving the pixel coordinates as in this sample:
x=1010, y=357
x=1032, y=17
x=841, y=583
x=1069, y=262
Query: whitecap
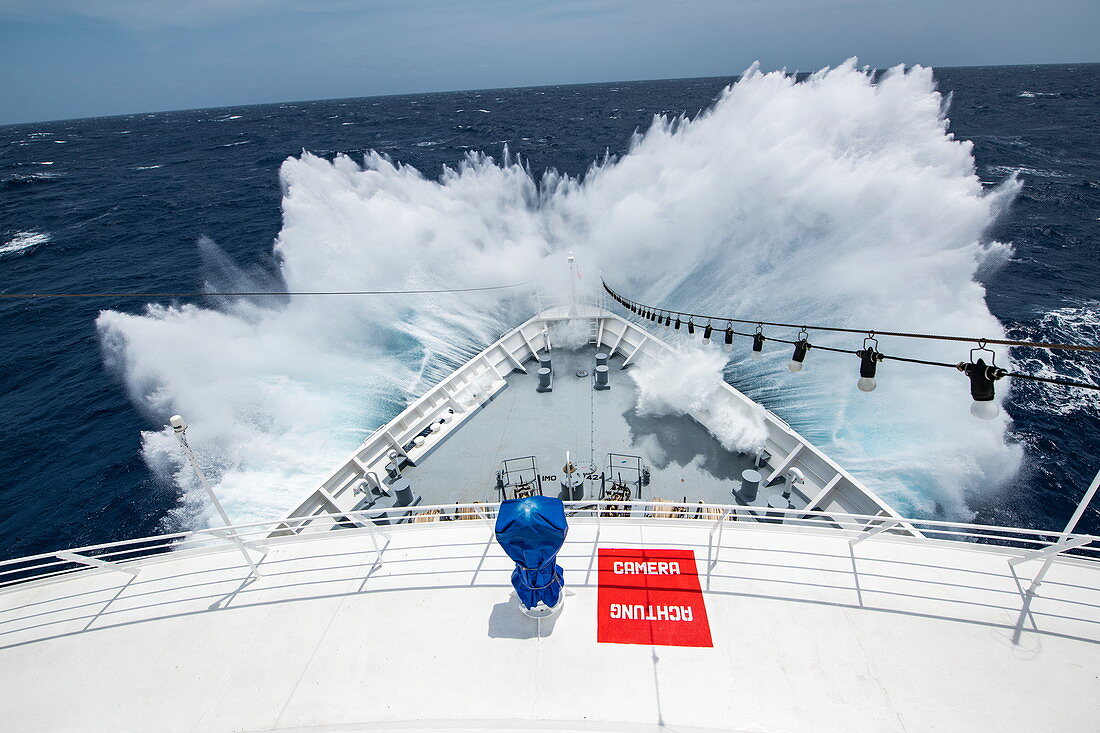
x=22, y=243
x=28, y=178
x=427, y=144
x=1076, y=323
x=1008, y=170
x=148, y=167
x=239, y=142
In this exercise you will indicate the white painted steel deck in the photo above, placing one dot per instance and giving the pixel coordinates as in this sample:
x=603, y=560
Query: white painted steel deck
x=810, y=633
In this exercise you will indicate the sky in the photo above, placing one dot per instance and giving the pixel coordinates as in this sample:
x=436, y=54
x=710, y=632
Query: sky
x=61, y=59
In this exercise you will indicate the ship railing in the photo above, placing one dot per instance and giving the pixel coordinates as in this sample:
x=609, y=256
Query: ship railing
x=129, y=556
x=564, y=303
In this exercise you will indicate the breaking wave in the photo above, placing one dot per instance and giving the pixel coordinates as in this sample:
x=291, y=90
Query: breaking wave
x=1077, y=323
x=22, y=243
x=17, y=180
x=841, y=199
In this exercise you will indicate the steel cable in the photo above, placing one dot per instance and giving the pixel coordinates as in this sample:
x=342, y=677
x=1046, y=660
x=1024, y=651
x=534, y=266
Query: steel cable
x=865, y=331
x=259, y=294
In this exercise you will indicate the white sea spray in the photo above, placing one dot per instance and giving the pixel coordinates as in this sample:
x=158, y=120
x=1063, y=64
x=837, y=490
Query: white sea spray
x=838, y=200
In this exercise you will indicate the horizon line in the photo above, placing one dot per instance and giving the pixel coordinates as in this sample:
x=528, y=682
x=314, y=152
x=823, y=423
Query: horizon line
x=314, y=100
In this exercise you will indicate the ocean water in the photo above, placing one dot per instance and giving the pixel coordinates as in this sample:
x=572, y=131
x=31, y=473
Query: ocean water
x=958, y=201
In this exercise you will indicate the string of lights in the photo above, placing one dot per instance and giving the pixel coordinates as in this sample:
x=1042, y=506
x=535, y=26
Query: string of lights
x=982, y=375
x=837, y=329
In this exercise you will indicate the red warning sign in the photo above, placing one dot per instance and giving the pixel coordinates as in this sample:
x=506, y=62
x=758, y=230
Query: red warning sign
x=651, y=597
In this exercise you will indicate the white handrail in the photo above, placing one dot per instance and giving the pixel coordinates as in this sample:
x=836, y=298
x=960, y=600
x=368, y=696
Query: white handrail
x=854, y=526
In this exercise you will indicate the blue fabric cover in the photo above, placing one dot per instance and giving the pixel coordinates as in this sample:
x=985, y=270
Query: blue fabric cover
x=531, y=531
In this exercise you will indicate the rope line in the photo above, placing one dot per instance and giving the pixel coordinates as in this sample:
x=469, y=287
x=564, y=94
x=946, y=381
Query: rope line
x=864, y=331
x=663, y=314
x=259, y=294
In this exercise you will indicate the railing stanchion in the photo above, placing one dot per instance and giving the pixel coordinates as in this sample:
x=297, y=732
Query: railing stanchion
x=96, y=562
x=881, y=528
x=1066, y=533
x=179, y=427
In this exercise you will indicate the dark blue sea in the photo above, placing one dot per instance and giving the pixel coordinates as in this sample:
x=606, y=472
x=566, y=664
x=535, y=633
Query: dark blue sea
x=189, y=200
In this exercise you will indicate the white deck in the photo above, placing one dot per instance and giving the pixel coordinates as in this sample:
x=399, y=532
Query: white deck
x=810, y=633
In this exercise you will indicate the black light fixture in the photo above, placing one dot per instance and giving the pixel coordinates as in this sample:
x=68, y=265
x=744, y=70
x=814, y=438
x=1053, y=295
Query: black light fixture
x=668, y=319
x=982, y=376
x=800, y=348
x=677, y=325
x=757, y=344
x=729, y=338
x=707, y=332
x=869, y=357
x=691, y=326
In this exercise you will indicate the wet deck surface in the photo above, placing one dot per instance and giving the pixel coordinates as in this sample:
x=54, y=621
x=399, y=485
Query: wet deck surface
x=685, y=461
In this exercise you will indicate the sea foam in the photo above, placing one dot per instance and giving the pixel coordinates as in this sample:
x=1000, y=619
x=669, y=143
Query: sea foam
x=838, y=200
x=23, y=242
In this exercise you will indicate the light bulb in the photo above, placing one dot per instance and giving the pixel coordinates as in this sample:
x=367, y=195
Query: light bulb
x=729, y=347
x=756, y=355
x=866, y=384
x=984, y=410
x=794, y=366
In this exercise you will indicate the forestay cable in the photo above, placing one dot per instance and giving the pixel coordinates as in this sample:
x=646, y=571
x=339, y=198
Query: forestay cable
x=260, y=294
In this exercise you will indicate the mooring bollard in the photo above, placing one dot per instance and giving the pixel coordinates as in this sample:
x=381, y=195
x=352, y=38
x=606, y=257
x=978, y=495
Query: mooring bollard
x=750, y=484
x=545, y=384
x=601, y=377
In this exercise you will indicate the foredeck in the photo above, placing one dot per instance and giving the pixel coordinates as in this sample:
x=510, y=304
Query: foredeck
x=810, y=632
x=685, y=461
x=451, y=442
